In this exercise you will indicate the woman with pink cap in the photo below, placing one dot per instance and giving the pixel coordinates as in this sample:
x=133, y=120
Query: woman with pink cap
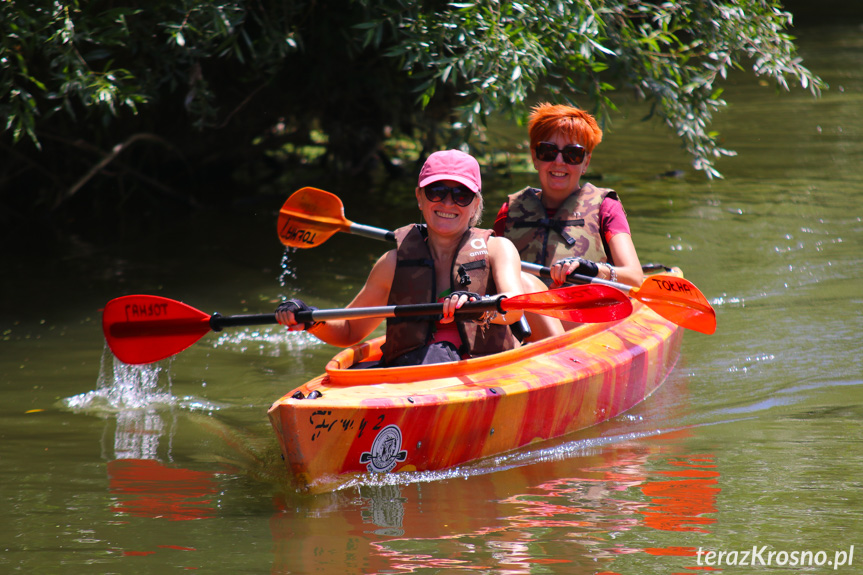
x=446, y=259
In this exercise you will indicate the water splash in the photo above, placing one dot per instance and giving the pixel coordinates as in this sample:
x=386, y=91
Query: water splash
x=122, y=387
x=750, y=362
x=268, y=342
x=727, y=300
x=288, y=269
x=139, y=408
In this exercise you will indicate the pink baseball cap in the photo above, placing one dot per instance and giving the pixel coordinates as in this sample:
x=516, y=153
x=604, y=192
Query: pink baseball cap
x=452, y=165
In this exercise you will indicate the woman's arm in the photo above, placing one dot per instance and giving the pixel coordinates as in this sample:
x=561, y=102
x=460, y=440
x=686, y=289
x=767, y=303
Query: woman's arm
x=506, y=271
x=347, y=332
x=626, y=263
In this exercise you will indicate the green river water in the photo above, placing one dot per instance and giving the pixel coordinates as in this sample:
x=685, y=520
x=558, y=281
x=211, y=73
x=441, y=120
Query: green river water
x=753, y=443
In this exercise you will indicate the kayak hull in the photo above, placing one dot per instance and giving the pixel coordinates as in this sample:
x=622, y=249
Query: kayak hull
x=348, y=422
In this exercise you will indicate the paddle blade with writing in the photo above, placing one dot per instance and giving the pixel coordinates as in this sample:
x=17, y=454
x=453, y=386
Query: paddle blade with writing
x=309, y=217
x=147, y=328
x=678, y=301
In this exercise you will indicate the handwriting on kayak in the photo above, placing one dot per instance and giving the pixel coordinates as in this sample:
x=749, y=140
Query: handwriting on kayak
x=291, y=233
x=319, y=420
x=136, y=311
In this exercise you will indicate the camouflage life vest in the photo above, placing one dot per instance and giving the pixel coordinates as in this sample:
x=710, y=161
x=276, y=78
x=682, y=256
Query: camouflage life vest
x=574, y=231
x=414, y=282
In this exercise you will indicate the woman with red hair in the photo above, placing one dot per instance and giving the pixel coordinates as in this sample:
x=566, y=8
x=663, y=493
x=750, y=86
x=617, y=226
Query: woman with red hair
x=564, y=224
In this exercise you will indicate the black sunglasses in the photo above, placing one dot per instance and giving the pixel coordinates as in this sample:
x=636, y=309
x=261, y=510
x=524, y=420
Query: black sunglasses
x=461, y=196
x=573, y=154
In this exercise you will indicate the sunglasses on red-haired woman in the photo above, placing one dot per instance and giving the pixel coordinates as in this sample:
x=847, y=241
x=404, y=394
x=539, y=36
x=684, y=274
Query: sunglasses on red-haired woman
x=573, y=154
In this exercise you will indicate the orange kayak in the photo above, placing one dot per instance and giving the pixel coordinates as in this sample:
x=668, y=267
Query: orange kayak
x=349, y=422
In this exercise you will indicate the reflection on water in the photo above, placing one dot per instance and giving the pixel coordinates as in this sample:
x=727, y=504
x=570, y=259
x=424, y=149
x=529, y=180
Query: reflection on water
x=385, y=509
x=680, y=504
x=566, y=516
x=137, y=435
x=140, y=415
x=148, y=488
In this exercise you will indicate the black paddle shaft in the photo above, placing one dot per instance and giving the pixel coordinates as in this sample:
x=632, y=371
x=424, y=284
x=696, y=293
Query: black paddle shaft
x=219, y=322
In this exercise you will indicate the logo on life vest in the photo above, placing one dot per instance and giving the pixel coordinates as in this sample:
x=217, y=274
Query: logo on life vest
x=386, y=450
x=480, y=245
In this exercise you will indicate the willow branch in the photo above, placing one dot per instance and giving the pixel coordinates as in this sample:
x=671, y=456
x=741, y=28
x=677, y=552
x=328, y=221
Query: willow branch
x=107, y=159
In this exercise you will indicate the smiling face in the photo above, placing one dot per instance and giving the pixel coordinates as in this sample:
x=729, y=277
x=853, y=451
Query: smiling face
x=445, y=216
x=557, y=178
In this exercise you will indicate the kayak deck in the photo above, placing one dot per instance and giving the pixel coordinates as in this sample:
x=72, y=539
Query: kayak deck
x=424, y=418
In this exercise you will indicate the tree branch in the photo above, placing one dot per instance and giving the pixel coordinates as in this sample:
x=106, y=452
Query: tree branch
x=107, y=159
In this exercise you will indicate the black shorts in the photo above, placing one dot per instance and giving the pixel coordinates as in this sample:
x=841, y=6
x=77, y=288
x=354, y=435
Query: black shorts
x=438, y=352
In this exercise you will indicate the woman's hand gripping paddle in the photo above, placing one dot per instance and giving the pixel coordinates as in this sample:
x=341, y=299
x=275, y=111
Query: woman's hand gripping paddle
x=147, y=328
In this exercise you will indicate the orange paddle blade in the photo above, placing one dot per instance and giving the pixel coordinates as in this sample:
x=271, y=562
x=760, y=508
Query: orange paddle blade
x=310, y=217
x=583, y=303
x=677, y=300
x=147, y=328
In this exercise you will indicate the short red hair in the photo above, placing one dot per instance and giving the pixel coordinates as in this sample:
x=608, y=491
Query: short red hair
x=546, y=120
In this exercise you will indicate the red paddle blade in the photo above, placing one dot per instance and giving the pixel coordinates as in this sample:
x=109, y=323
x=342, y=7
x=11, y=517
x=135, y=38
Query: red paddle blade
x=310, y=217
x=592, y=303
x=678, y=301
x=148, y=328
